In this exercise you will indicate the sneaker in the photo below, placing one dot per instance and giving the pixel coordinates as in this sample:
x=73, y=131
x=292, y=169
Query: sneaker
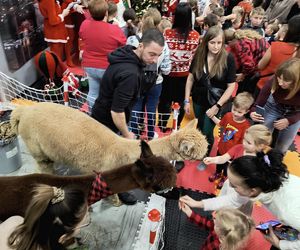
x=173, y=194
x=179, y=165
x=128, y=198
x=201, y=166
x=214, y=177
x=221, y=182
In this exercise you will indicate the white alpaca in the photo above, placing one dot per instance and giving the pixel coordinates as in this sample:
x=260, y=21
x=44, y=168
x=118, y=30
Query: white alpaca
x=55, y=133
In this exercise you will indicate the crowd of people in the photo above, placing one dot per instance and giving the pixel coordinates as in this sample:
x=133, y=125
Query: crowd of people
x=235, y=63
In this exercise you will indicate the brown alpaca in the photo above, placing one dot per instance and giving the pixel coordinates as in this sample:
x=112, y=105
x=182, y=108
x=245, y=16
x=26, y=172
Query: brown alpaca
x=150, y=173
x=55, y=133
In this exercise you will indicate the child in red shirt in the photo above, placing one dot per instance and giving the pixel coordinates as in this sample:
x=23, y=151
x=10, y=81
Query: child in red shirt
x=230, y=225
x=233, y=126
x=257, y=138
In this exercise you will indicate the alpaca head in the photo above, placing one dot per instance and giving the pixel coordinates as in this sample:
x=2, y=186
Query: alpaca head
x=153, y=173
x=189, y=143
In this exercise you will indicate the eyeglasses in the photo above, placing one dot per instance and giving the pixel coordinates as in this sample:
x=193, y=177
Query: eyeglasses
x=86, y=221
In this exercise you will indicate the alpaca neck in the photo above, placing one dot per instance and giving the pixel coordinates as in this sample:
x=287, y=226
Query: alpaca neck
x=162, y=147
x=120, y=180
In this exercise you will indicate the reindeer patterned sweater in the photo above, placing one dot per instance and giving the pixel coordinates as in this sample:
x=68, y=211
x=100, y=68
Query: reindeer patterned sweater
x=181, y=52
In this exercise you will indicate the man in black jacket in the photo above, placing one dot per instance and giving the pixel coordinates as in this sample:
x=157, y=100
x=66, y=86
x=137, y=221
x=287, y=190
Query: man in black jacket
x=122, y=84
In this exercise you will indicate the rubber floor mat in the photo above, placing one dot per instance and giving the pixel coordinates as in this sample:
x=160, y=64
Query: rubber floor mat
x=180, y=233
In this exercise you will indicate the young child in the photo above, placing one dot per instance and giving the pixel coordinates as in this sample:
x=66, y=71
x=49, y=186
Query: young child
x=164, y=25
x=270, y=31
x=233, y=125
x=229, y=229
x=256, y=19
x=257, y=138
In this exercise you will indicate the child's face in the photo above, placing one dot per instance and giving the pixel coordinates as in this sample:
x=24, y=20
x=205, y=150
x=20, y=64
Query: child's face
x=269, y=30
x=238, y=114
x=249, y=144
x=256, y=20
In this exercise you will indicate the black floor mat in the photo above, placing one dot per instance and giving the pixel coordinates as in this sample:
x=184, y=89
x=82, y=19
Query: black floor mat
x=180, y=233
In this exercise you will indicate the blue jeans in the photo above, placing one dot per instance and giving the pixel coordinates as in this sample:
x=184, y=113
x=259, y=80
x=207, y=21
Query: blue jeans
x=149, y=101
x=94, y=76
x=273, y=112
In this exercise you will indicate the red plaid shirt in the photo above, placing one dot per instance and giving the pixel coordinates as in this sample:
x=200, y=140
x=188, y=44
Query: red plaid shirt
x=99, y=190
x=212, y=242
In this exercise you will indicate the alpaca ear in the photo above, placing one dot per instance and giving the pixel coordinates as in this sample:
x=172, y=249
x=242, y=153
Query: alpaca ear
x=186, y=146
x=191, y=124
x=146, y=150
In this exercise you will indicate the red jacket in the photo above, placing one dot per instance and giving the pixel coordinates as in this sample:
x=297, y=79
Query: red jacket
x=247, y=53
x=54, y=27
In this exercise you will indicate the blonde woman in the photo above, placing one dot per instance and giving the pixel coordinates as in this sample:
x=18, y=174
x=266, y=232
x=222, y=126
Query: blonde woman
x=229, y=229
x=211, y=63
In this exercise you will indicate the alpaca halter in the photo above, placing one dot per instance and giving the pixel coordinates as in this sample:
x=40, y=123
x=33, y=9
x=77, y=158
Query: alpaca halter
x=58, y=195
x=99, y=190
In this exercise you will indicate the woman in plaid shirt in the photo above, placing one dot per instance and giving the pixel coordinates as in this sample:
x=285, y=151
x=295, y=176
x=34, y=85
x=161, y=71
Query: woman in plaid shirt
x=228, y=230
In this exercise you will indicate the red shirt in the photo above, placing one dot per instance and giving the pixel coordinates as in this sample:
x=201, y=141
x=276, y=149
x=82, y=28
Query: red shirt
x=100, y=39
x=181, y=53
x=236, y=151
x=212, y=241
x=233, y=132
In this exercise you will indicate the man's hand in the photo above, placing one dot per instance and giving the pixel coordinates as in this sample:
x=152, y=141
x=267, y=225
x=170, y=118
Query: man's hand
x=272, y=238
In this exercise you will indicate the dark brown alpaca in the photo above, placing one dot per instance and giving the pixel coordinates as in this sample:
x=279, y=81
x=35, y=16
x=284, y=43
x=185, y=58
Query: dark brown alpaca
x=149, y=173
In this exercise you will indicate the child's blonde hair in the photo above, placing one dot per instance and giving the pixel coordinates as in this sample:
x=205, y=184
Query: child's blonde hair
x=257, y=11
x=164, y=24
x=235, y=228
x=260, y=134
x=274, y=27
x=243, y=100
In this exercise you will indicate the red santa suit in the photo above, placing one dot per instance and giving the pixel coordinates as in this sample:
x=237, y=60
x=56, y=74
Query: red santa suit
x=54, y=26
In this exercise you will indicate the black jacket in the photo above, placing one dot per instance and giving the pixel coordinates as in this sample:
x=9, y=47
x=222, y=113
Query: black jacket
x=120, y=86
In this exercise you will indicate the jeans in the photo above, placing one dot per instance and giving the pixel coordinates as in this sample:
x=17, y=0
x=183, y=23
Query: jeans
x=149, y=101
x=273, y=112
x=94, y=76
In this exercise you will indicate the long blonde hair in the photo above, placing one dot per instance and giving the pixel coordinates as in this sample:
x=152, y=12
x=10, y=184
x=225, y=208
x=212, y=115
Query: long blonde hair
x=235, y=228
x=151, y=19
x=202, y=52
x=231, y=34
x=289, y=70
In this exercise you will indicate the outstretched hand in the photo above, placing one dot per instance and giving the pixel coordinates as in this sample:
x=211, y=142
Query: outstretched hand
x=185, y=208
x=191, y=202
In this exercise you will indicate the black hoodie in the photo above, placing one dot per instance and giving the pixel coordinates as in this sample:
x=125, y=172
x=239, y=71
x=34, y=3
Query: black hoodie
x=120, y=86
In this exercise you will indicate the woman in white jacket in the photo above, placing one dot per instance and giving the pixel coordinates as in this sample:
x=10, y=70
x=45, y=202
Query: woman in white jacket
x=261, y=178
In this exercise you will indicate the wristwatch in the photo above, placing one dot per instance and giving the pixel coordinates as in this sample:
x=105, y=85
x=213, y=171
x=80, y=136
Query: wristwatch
x=218, y=105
